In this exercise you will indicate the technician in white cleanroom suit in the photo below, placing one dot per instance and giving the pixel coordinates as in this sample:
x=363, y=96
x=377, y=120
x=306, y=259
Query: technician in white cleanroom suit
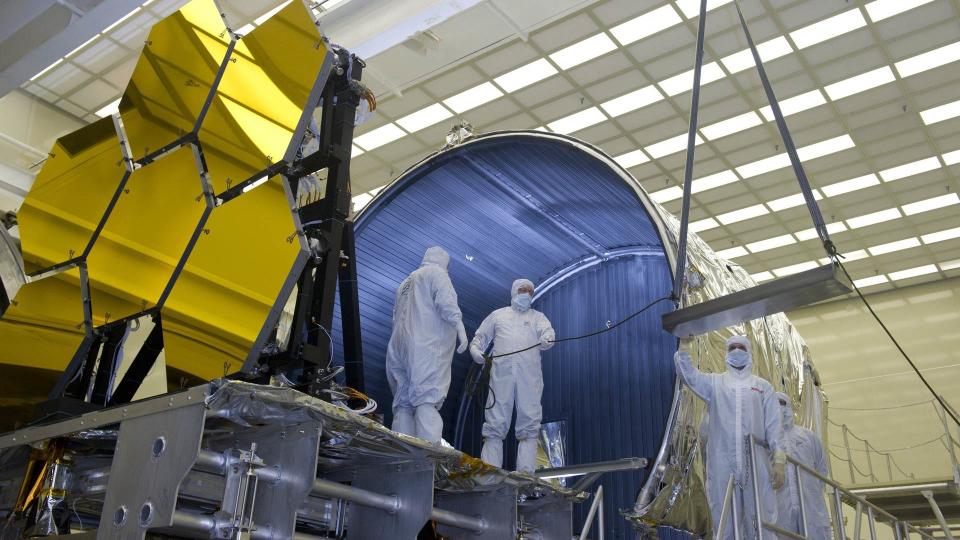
x=739, y=404
x=804, y=446
x=515, y=378
x=426, y=326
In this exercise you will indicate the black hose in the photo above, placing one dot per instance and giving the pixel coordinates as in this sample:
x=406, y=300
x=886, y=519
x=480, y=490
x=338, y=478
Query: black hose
x=591, y=334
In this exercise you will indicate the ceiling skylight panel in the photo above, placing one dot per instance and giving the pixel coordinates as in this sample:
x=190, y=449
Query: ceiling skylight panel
x=870, y=281
x=794, y=268
x=929, y=60
x=732, y=253
x=691, y=8
x=715, y=180
x=890, y=247
x=851, y=256
x=771, y=243
x=879, y=10
x=361, y=200
x=108, y=109
x=683, y=82
x=731, y=125
x=792, y=201
x=584, y=50
x=703, y=225
x=860, y=83
x=762, y=276
x=853, y=184
x=940, y=236
x=873, y=218
x=577, y=121
x=805, y=153
x=379, y=137
x=667, y=195
x=646, y=25
x=824, y=148
x=952, y=158
x=526, y=75
x=910, y=169
x=795, y=104
x=829, y=28
x=742, y=214
x=941, y=113
x=425, y=117
x=764, y=165
x=811, y=233
x=913, y=272
x=933, y=203
x=631, y=159
x=669, y=146
x=632, y=101
x=46, y=69
x=768, y=50
x=473, y=97
x=263, y=18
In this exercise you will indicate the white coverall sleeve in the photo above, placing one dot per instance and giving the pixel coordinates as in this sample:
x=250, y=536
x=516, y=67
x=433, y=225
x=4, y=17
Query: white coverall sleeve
x=697, y=381
x=545, y=332
x=445, y=298
x=483, y=336
x=772, y=425
x=819, y=457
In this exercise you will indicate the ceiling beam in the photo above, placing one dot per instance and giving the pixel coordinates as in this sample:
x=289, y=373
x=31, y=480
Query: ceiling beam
x=59, y=36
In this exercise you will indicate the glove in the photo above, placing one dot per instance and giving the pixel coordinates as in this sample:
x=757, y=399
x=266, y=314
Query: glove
x=777, y=475
x=685, y=345
x=545, y=342
x=462, y=341
x=477, y=354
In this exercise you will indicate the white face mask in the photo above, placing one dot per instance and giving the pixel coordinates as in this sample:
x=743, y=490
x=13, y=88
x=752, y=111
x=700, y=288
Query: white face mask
x=787, y=415
x=738, y=358
x=522, y=301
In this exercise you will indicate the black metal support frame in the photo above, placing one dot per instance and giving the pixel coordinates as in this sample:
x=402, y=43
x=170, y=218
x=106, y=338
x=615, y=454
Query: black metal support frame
x=329, y=232
x=326, y=232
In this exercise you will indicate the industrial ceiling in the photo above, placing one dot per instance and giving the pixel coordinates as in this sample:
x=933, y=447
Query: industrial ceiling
x=871, y=91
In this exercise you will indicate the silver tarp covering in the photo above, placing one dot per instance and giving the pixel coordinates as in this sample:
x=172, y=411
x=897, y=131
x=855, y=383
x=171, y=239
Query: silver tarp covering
x=675, y=493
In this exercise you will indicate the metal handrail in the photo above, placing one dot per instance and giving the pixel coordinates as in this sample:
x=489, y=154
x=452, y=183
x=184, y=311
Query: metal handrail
x=946, y=438
x=840, y=495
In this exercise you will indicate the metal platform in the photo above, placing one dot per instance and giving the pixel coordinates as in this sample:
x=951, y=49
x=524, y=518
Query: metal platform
x=911, y=501
x=263, y=462
x=783, y=294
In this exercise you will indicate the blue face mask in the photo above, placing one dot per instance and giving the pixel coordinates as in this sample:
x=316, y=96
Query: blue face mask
x=738, y=358
x=522, y=301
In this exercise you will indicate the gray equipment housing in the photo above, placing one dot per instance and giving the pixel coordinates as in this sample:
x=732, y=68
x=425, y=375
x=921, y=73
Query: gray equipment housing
x=232, y=459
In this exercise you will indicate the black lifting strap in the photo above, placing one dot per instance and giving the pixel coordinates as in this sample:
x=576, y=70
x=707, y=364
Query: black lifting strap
x=808, y=197
x=815, y=214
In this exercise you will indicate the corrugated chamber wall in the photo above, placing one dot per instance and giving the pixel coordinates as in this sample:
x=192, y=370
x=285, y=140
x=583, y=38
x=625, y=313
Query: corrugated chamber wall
x=554, y=211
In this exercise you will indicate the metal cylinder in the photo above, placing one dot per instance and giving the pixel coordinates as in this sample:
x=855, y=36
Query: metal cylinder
x=803, y=511
x=460, y=521
x=838, y=511
x=752, y=449
x=326, y=488
x=214, y=461
x=588, y=523
x=193, y=522
x=211, y=461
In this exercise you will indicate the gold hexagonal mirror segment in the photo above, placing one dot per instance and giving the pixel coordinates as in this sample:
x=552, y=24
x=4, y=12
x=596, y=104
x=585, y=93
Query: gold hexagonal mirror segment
x=146, y=235
x=70, y=194
x=231, y=281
